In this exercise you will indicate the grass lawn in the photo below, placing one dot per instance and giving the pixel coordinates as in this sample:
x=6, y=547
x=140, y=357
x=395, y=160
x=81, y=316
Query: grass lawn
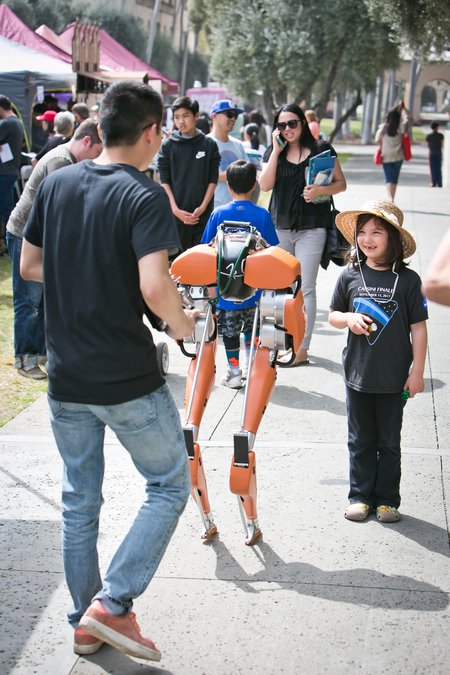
x=327, y=126
x=16, y=392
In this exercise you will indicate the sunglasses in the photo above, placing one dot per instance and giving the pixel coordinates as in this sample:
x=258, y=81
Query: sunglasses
x=230, y=114
x=292, y=124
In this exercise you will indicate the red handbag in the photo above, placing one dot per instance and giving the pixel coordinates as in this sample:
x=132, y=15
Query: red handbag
x=406, y=145
x=377, y=158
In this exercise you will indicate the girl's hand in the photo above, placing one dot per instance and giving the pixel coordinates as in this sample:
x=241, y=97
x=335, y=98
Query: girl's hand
x=359, y=323
x=414, y=384
x=276, y=133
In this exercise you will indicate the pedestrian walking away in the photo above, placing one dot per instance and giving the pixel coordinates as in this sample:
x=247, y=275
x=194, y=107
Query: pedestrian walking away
x=435, y=141
x=102, y=365
x=301, y=223
x=380, y=301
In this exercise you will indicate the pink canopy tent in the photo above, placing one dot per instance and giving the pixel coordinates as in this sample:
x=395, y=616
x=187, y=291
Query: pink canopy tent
x=114, y=56
x=13, y=28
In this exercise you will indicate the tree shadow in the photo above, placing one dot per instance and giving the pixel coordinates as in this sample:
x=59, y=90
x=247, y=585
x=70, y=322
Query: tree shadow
x=365, y=587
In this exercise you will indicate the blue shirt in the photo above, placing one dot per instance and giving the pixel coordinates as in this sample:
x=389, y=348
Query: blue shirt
x=243, y=212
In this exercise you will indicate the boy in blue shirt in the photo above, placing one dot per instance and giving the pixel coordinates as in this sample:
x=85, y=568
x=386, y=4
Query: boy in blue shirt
x=234, y=317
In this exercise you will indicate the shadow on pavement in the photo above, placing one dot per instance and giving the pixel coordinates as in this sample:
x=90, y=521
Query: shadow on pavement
x=356, y=586
x=292, y=397
x=110, y=660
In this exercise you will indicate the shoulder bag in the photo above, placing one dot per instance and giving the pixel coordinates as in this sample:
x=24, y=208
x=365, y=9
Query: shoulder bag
x=406, y=145
x=336, y=245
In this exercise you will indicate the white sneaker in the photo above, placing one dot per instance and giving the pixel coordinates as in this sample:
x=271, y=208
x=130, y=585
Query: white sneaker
x=232, y=379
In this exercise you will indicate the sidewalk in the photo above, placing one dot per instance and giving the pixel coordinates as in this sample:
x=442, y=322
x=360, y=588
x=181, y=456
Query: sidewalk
x=319, y=595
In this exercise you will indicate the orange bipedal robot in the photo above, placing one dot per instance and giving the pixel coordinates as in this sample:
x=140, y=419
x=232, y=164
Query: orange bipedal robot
x=234, y=266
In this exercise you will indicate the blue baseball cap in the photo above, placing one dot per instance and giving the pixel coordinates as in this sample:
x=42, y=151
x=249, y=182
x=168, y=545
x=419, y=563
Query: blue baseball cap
x=223, y=105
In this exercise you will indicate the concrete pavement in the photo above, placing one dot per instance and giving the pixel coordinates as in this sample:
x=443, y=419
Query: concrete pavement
x=319, y=594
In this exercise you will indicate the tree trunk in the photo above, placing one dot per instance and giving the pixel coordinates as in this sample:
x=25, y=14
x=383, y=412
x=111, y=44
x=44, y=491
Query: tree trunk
x=347, y=115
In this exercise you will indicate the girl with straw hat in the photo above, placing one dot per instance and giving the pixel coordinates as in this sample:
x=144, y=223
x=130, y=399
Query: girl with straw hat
x=380, y=301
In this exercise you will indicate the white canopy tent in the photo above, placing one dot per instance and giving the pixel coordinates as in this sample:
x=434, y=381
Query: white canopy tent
x=23, y=70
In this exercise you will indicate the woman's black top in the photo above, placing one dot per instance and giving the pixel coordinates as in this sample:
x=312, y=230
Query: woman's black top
x=288, y=209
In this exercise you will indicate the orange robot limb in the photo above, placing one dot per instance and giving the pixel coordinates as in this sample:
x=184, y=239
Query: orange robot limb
x=191, y=268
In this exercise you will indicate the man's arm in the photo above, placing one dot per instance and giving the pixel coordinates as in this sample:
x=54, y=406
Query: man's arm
x=185, y=217
x=436, y=284
x=31, y=262
x=161, y=296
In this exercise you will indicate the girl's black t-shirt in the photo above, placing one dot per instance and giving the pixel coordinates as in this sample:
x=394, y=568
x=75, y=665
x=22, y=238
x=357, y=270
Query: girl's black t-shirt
x=94, y=223
x=288, y=209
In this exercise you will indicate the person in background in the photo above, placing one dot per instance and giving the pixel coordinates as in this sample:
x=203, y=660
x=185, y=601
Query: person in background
x=11, y=139
x=389, y=137
x=313, y=123
x=98, y=236
x=236, y=318
x=301, y=223
x=436, y=283
x=64, y=124
x=39, y=136
x=29, y=334
x=256, y=117
x=203, y=123
x=188, y=164
x=224, y=115
x=435, y=141
x=80, y=112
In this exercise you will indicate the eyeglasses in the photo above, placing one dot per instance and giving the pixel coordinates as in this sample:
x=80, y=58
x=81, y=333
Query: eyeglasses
x=292, y=124
x=230, y=114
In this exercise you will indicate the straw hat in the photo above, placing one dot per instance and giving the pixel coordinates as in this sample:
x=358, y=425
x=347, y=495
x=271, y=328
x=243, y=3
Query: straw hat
x=383, y=208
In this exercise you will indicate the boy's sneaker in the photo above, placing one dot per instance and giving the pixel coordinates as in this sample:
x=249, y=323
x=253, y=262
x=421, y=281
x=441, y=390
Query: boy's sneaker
x=83, y=643
x=121, y=632
x=387, y=514
x=358, y=511
x=232, y=379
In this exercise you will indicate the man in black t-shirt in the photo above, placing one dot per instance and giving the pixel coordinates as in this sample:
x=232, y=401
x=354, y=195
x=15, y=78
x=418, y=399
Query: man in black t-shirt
x=98, y=236
x=11, y=138
x=435, y=141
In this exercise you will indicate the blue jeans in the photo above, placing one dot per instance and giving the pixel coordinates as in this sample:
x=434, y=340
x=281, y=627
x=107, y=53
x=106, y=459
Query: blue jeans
x=6, y=197
x=29, y=333
x=149, y=429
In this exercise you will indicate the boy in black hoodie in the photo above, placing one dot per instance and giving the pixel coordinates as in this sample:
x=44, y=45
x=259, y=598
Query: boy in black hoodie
x=188, y=163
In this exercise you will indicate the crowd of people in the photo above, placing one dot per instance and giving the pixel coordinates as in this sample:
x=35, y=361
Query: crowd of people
x=91, y=194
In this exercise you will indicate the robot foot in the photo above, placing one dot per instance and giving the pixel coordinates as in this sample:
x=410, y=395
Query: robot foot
x=210, y=528
x=253, y=532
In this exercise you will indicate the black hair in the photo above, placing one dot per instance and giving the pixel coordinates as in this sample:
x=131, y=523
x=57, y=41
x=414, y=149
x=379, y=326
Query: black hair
x=126, y=109
x=5, y=102
x=434, y=125
x=394, y=251
x=306, y=139
x=185, y=102
x=87, y=128
x=203, y=123
x=392, y=122
x=241, y=176
x=81, y=109
x=256, y=117
x=252, y=131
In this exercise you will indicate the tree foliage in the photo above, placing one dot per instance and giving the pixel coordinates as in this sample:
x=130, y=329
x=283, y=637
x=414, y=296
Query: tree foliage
x=420, y=25
x=296, y=50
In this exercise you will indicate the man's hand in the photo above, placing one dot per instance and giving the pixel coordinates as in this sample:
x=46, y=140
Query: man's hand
x=186, y=328
x=186, y=217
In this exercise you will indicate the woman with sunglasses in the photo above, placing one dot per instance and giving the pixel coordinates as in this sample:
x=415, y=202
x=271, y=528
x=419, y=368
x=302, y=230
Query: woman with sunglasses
x=301, y=224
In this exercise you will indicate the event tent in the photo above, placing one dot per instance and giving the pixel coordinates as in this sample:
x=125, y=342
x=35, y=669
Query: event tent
x=114, y=56
x=23, y=70
x=13, y=28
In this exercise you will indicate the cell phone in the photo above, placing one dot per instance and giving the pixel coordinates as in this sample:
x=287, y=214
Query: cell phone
x=280, y=142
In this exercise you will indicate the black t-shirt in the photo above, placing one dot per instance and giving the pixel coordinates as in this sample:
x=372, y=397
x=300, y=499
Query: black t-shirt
x=380, y=362
x=288, y=209
x=435, y=141
x=52, y=142
x=94, y=224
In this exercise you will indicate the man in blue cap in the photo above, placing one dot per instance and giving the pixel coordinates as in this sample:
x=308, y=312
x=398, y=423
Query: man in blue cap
x=224, y=114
